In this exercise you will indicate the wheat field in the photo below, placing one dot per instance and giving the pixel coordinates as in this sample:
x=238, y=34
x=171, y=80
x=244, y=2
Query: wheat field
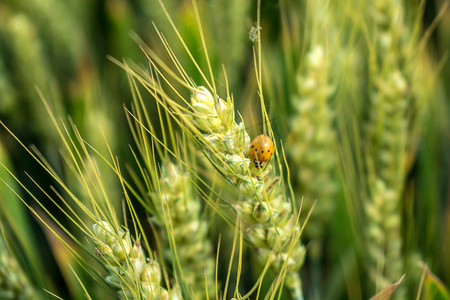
x=224, y=149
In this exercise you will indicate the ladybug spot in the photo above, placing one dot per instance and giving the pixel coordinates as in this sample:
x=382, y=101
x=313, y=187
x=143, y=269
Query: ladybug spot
x=262, y=151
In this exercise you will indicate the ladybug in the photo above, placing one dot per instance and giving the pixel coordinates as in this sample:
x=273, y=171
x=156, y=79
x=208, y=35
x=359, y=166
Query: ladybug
x=261, y=150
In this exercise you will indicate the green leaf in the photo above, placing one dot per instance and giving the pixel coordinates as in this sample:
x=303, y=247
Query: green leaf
x=434, y=288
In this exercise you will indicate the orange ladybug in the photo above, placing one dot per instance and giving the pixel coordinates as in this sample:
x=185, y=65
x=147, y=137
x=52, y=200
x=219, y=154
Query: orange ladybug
x=261, y=150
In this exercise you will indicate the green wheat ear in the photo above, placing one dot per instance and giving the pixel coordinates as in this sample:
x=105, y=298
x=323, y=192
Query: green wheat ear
x=387, y=130
x=180, y=211
x=271, y=223
x=131, y=272
x=272, y=227
x=394, y=102
x=312, y=143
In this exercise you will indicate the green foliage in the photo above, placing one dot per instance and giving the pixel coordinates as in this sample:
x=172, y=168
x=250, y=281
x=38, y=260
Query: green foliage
x=163, y=201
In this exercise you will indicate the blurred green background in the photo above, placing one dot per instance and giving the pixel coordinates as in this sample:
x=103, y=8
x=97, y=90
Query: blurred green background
x=62, y=49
